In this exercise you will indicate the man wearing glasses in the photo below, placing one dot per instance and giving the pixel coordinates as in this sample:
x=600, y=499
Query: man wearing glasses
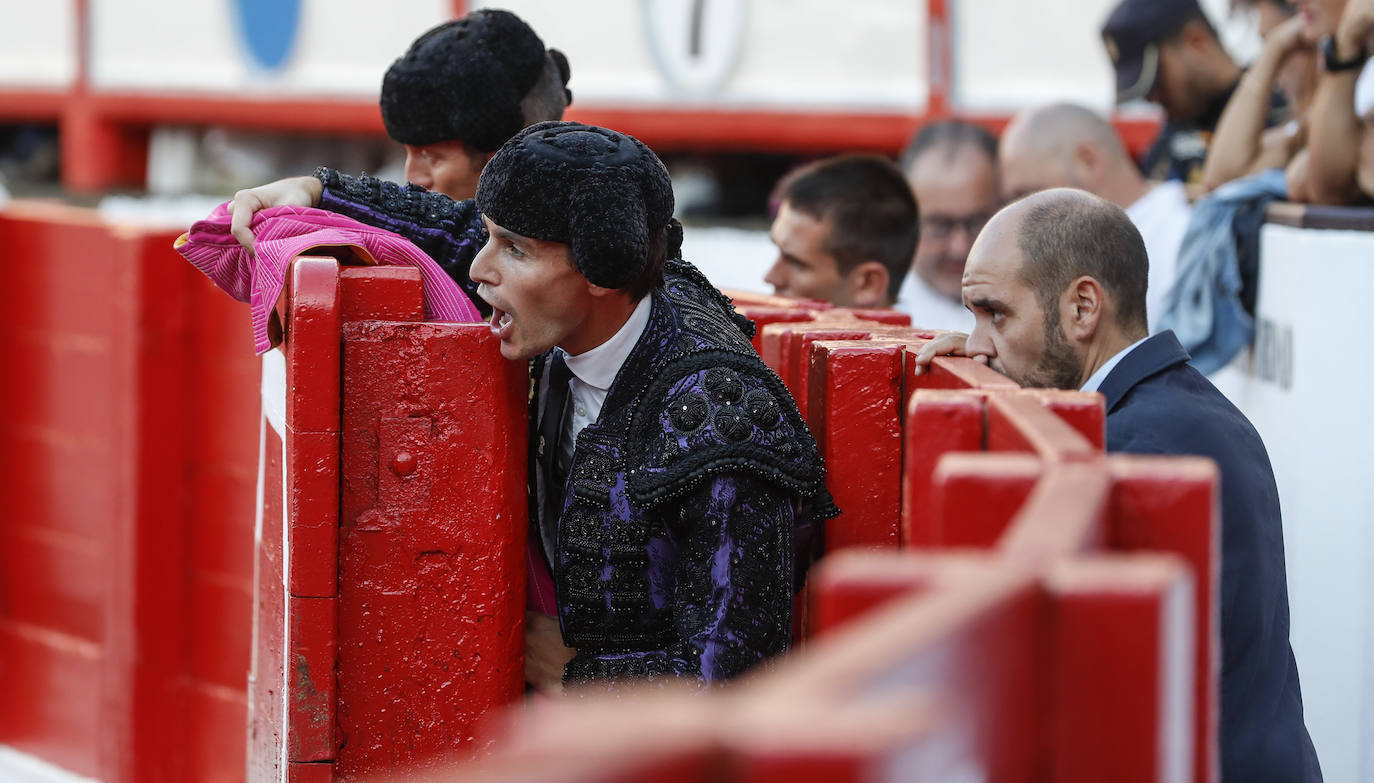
x=952, y=167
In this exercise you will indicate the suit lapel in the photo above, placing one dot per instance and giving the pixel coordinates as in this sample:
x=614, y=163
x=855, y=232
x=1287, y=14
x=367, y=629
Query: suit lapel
x=1159, y=352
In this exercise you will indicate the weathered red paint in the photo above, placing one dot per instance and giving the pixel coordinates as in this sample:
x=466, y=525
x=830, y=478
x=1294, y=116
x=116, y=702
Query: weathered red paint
x=855, y=392
x=267, y=677
x=431, y=558
x=799, y=353
x=381, y=293
x=957, y=372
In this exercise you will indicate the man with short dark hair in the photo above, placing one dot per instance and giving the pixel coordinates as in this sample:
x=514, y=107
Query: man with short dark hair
x=669, y=466
x=1057, y=285
x=1169, y=53
x=845, y=231
x=952, y=168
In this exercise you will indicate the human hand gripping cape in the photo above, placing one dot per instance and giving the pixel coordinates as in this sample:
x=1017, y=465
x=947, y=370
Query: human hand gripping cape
x=283, y=233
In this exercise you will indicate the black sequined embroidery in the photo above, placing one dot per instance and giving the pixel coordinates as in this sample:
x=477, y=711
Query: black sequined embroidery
x=723, y=385
x=732, y=423
x=763, y=408
x=689, y=413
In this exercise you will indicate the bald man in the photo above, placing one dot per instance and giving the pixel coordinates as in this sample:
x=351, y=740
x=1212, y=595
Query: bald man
x=1056, y=284
x=1068, y=146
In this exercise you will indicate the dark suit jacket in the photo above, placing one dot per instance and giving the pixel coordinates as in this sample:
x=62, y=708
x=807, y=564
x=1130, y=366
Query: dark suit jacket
x=1158, y=404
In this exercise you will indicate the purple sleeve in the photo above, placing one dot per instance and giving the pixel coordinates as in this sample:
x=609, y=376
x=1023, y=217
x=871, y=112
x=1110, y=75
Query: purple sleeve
x=450, y=232
x=733, y=601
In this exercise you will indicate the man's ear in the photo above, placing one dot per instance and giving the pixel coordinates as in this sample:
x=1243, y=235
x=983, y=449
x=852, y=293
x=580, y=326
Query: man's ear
x=868, y=284
x=1088, y=160
x=1083, y=307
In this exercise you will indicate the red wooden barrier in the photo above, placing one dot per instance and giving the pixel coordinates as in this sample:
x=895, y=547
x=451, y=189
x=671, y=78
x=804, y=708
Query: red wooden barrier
x=939, y=667
x=390, y=573
x=127, y=439
x=1079, y=643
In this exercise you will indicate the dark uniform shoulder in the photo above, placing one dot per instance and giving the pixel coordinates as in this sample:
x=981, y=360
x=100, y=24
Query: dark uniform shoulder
x=716, y=412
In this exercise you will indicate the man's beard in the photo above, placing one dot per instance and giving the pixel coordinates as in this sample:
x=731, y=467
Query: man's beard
x=1059, y=366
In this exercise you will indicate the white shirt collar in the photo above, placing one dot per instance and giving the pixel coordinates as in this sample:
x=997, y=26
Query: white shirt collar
x=598, y=367
x=1102, y=372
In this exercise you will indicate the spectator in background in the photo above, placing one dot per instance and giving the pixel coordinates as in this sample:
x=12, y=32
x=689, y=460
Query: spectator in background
x=1057, y=284
x=1339, y=166
x=1063, y=145
x=846, y=231
x=1242, y=145
x=952, y=168
x=1168, y=52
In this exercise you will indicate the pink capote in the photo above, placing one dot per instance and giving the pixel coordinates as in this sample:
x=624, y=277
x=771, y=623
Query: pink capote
x=286, y=232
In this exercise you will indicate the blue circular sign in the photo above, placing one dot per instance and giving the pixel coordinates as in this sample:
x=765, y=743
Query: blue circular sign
x=268, y=28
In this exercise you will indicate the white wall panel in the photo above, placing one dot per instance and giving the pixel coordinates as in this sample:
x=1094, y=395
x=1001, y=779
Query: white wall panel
x=342, y=47
x=37, y=43
x=798, y=54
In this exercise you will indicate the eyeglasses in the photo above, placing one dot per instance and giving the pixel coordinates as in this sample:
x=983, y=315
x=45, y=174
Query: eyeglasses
x=943, y=226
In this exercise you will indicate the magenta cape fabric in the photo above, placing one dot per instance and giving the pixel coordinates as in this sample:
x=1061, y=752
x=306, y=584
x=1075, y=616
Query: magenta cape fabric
x=286, y=232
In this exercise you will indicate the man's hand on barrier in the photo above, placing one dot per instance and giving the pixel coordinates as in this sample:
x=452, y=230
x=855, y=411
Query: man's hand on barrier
x=947, y=344
x=545, y=653
x=292, y=192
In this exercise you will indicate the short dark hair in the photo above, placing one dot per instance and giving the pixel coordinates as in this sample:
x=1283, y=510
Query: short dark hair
x=870, y=208
x=549, y=96
x=1067, y=234
x=664, y=242
x=952, y=136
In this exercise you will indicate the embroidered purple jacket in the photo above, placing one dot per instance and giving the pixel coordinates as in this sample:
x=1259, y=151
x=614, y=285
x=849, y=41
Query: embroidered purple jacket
x=674, y=552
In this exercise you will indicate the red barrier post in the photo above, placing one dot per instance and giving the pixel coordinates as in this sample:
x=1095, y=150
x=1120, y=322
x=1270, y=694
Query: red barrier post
x=937, y=423
x=1122, y=669
x=856, y=389
x=432, y=544
x=390, y=576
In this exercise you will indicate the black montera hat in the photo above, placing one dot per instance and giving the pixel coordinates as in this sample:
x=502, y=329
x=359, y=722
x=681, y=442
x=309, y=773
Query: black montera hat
x=465, y=80
x=1132, y=35
x=600, y=192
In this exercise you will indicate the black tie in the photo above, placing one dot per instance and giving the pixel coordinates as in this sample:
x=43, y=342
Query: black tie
x=551, y=433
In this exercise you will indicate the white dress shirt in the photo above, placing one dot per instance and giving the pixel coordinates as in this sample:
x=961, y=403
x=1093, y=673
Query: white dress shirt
x=593, y=372
x=1102, y=372
x=929, y=309
x=1161, y=216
